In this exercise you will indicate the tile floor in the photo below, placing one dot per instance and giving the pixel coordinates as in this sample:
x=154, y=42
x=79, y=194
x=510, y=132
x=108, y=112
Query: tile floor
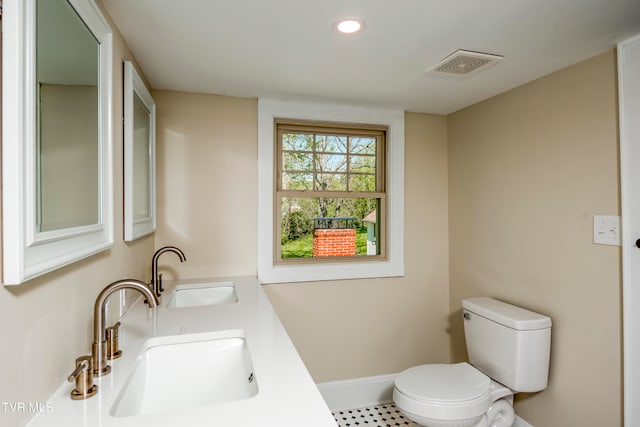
x=382, y=415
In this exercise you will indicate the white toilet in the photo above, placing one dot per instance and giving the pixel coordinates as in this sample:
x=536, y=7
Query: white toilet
x=508, y=349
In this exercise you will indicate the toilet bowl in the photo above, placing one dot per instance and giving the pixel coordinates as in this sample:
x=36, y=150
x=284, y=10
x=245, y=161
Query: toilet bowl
x=456, y=395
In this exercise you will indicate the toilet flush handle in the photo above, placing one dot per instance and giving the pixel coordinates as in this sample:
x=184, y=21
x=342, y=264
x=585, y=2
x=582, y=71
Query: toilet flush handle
x=466, y=315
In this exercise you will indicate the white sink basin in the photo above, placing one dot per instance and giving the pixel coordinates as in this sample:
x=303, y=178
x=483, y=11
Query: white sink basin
x=198, y=294
x=184, y=371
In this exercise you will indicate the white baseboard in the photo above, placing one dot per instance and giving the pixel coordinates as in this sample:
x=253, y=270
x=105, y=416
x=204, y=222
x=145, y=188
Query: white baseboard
x=358, y=392
x=368, y=391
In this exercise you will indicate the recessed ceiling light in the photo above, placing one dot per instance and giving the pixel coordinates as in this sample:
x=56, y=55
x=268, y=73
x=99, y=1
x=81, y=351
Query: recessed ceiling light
x=349, y=25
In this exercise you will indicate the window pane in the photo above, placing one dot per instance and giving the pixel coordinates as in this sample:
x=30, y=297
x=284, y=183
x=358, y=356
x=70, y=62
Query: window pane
x=362, y=164
x=330, y=181
x=331, y=163
x=360, y=145
x=362, y=183
x=331, y=143
x=297, y=181
x=297, y=161
x=329, y=227
x=297, y=141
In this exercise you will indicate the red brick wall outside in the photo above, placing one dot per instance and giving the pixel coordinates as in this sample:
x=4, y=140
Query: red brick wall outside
x=340, y=242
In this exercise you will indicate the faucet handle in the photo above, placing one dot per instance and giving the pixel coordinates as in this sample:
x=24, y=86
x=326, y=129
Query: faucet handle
x=83, y=376
x=112, y=342
x=160, y=287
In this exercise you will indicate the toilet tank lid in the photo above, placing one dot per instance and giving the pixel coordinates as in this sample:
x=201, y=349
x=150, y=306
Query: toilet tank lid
x=506, y=314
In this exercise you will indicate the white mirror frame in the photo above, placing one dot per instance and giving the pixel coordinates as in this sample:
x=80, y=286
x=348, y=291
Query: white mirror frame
x=28, y=253
x=134, y=86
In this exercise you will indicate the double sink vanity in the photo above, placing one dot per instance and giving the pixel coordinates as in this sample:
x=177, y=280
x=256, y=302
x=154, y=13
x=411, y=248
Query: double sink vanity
x=213, y=352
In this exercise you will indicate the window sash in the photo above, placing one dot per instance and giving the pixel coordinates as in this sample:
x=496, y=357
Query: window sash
x=302, y=127
x=381, y=224
x=281, y=127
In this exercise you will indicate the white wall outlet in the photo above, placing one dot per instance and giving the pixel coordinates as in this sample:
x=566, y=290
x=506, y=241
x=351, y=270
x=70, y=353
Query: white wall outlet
x=606, y=230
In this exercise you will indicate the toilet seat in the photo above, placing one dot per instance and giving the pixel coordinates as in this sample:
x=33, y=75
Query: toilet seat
x=442, y=391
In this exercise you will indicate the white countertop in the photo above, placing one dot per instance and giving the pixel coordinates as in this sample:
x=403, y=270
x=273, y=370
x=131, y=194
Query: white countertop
x=287, y=395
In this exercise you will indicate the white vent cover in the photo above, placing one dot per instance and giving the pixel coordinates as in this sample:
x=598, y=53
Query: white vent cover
x=464, y=62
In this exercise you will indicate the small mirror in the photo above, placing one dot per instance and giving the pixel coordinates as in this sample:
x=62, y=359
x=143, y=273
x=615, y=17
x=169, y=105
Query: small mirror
x=56, y=135
x=139, y=157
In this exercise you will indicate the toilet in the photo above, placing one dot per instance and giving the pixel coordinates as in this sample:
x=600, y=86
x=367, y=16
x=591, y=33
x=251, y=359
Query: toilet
x=508, y=350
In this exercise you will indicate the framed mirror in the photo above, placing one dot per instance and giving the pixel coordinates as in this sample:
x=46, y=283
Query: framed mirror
x=56, y=137
x=139, y=156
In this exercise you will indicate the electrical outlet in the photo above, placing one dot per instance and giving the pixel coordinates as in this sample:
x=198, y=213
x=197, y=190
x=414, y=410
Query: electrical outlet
x=606, y=230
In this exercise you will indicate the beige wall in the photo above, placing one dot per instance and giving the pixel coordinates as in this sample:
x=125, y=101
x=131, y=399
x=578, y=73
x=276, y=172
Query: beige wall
x=358, y=328
x=47, y=322
x=207, y=183
x=207, y=194
x=527, y=171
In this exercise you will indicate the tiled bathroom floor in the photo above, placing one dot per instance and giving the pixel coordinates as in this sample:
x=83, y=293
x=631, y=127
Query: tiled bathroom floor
x=382, y=415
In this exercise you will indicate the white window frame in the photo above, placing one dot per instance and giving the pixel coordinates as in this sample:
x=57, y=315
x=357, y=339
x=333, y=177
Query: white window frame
x=393, y=265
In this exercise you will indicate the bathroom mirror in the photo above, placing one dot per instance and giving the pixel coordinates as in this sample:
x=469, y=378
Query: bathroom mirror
x=56, y=136
x=139, y=156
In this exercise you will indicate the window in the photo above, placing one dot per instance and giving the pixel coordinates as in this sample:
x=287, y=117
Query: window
x=330, y=192
x=390, y=262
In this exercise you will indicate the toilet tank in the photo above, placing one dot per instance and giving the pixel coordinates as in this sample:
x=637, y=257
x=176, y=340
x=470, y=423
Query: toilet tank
x=508, y=343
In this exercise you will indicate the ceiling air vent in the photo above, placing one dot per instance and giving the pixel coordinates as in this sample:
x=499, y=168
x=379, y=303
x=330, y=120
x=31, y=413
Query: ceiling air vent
x=464, y=62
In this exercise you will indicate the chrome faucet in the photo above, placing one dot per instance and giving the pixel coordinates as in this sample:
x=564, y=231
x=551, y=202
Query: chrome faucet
x=99, y=348
x=156, y=280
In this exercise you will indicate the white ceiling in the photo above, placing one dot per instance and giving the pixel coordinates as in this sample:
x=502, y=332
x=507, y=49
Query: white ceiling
x=287, y=48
